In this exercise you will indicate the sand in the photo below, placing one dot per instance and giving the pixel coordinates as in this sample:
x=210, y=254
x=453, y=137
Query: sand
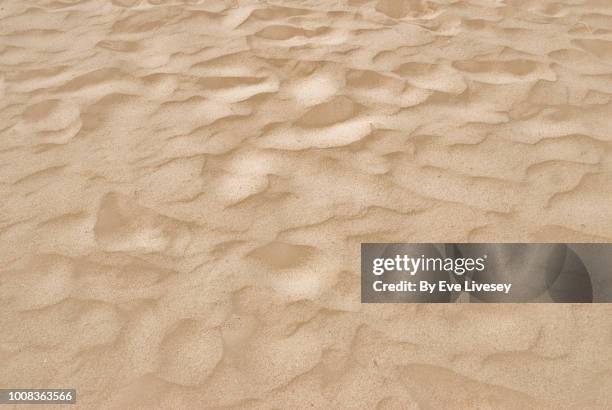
x=185, y=186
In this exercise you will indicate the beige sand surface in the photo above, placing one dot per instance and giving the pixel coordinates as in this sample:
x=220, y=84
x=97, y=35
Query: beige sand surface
x=184, y=187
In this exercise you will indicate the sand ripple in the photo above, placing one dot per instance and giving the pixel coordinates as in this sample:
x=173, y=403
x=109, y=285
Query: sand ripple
x=185, y=185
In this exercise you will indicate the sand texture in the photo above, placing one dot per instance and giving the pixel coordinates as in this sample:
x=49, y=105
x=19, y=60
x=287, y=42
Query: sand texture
x=185, y=186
